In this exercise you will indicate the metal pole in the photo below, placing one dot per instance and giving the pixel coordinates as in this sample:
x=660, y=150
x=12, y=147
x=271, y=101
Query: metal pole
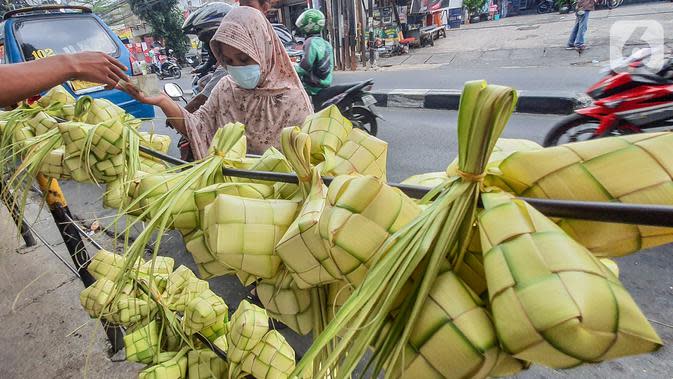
x=73, y=241
x=639, y=214
x=370, y=25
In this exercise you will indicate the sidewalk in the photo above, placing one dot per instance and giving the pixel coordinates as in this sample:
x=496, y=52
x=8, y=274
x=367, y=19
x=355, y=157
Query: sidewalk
x=530, y=41
x=45, y=332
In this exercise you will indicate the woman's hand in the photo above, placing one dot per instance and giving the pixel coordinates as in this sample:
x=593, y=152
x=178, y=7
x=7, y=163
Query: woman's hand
x=95, y=67
x=171, y=109
x=140, y=96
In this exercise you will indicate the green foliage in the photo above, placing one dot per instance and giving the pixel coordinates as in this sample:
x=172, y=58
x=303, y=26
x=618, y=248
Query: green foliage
x=99, y=7
x=166, y=21
x=473, y=6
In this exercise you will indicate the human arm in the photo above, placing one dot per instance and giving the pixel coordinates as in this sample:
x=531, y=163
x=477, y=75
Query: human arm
x=305, y=66
x=23, y=80
x=170, y=108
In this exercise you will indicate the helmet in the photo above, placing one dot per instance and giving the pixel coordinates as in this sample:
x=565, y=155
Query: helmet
x=312, y=21
x=205, y=19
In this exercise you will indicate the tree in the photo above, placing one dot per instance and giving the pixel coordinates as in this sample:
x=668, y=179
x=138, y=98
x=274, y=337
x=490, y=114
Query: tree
x=166, y=21
x=99, y=7
x=474, y=6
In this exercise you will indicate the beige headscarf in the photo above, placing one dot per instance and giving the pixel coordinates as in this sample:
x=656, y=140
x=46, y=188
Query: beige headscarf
x=278, y=101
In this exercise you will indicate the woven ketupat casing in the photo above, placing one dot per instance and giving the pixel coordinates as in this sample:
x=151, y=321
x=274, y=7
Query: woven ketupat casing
x=242, y=233
x=247, y=327
x=302, y=249
x=328, y=130
x=203, y=311
x=42, y=123
x=182, y=287
x=271, y=358
x=74, y=136
x=128, y=310
x=142, y=344
x=286, y=303
x=553, y=302
x=100, y=110
x=107, y=139
x=205, y=364
x=274, y=161
x=106, y=264
x=359, y=215
x=57, y=94
x=53, y=165
x=361, y=154
x=630, y=169
x=174, y=368
x=453, y=337
x=21, y=138
x=96, y=297
x=206, y=263
x=471, y=270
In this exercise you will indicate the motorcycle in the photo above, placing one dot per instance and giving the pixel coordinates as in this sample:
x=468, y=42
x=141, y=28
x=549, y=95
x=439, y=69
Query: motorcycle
x=629, y=99
x=353, y=102
x=546, y=6
x=169, y=69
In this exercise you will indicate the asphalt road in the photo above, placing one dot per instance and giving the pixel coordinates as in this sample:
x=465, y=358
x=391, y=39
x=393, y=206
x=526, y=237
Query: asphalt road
x=573, y=79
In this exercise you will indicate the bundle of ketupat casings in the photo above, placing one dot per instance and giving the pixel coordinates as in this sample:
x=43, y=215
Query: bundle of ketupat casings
x=468, y=282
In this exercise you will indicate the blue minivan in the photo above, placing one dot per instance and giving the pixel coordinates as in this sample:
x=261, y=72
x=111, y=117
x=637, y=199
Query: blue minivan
x=38, y=32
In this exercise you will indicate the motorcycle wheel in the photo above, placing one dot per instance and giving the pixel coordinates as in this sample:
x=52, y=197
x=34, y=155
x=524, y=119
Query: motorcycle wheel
x=363, y=118
x=177, y=73
x=612, y=4
x=543, y=7
x=577, y=128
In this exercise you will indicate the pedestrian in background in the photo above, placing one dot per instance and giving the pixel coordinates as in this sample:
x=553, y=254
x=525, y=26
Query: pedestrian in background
x=576, y=40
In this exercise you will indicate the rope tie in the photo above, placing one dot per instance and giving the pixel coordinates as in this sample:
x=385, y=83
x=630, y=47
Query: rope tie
x=219, y=153
x=471, y=177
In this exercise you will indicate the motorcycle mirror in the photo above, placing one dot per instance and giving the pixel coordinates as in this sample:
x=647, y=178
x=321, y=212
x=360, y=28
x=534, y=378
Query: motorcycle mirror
x=173, y=90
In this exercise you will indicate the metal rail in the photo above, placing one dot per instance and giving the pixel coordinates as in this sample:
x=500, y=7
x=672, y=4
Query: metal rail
x=640, y=214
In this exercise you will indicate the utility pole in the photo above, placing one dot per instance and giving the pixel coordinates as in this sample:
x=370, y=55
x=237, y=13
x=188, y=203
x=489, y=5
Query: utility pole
x=370, y=24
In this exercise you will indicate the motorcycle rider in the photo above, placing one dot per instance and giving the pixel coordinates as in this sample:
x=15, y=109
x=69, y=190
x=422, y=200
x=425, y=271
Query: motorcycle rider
x=315, y=69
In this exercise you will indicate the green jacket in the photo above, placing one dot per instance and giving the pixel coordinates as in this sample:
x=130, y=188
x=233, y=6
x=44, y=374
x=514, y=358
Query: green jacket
x=315, y=69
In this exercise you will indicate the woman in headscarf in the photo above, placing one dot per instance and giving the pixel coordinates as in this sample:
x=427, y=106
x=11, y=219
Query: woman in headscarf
x=262, y=90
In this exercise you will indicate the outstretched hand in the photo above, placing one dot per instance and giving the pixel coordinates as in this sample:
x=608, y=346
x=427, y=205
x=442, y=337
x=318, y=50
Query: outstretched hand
x=96, y=67
x=140, y=96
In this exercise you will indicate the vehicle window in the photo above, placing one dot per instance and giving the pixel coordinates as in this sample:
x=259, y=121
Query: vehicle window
x=40, y=38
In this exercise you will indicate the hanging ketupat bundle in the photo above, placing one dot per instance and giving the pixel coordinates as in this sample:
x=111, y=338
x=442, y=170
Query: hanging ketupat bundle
x=360, y=213
x=553, y=302
x=302, y=248
x=629, y=169
x=441, y=231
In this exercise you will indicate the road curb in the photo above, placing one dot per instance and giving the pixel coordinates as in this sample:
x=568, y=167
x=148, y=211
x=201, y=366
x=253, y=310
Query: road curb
x=538, y=102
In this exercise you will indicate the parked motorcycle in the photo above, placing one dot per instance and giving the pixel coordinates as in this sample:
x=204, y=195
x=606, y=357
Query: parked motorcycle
x=353, y=102
x=169, y=69
x=629, y=99
x=546, y=6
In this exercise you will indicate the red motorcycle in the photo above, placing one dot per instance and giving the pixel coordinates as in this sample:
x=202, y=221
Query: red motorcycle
x=630, y=99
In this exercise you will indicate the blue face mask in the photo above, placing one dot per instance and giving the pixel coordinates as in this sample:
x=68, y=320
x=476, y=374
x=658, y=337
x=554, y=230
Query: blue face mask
x=245, y=76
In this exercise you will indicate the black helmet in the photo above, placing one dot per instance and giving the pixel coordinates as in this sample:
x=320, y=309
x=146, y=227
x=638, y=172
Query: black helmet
x=207, y=18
